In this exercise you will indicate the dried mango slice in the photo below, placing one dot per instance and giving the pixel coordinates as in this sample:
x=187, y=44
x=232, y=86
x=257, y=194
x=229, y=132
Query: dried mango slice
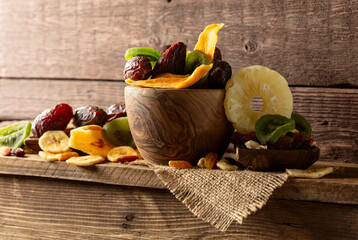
x=208, y=39
x=168, y=80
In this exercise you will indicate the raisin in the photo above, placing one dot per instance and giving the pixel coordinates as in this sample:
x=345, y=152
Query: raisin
x=89, y=115
x=137, y=68
x=217, y=55
x=55, y=118
x=180, y=164
x=219, y=74
x=116, y=110
x=172, y=60
x=210, y=160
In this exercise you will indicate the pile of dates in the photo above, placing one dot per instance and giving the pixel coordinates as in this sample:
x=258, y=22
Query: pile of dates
x=59, y=116
x=176, y=60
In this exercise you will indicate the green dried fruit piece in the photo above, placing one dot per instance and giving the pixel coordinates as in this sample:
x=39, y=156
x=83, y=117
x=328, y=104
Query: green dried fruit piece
x=301, y=124
x=150, y=53
x=270, y=127
x=14, y=135
x=118, y=132
x=194, y=59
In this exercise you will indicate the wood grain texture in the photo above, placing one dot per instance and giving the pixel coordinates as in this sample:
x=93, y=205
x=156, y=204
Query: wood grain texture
x=38, y=208
x=171, y=124
x=339, y=187
x=310, y=43
x=332, y=112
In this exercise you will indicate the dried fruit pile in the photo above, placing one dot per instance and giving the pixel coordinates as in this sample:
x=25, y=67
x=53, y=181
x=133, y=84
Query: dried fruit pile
x=178, y=68
x=275, y=126
x=97, y=135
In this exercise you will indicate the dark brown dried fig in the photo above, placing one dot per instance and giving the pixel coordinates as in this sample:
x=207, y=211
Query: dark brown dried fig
x=171, y=61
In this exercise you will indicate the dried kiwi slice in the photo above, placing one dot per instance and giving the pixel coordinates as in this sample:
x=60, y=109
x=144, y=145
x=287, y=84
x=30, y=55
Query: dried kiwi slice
x=150, y=53
x=14, y=135
x=118, y=132
x=270, y=127
x=194, y=59
x=301, y=124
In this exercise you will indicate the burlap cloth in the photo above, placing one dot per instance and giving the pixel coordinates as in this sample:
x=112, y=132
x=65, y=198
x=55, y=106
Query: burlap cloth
x=220, y=197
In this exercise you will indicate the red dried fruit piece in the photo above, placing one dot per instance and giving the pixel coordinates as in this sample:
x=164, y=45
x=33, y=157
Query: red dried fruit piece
x=137, y=68
x=217, y=55
x=116, y=111
x=89, y=115
x=171, y=61
x=210, y=160
x=55, y=118
x=219, y=75
x=180, y=164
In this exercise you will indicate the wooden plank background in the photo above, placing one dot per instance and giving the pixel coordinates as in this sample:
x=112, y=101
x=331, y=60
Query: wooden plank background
x=310, y=43
x=72, y=51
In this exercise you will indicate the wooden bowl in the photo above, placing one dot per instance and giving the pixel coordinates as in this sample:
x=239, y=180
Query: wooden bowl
x=177, y=124
x=277, y=160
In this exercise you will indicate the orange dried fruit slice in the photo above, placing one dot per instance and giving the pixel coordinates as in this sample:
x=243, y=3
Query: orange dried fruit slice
x=208, y=39
x=173, y=81
x=67, y=155
x=179, y=164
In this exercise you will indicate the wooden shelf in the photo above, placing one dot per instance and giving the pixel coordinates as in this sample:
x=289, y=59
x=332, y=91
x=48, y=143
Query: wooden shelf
x=339, y=187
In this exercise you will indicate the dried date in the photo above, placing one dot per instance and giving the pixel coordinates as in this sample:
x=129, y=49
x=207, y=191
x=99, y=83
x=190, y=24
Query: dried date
x=116, y=110
x=172, y=60
x=219, y=75
x=89, y=115
x=217, y=55
x=137, y=68
x=55, y=118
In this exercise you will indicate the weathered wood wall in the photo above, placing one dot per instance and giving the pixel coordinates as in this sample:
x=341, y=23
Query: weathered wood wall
x=72, y=51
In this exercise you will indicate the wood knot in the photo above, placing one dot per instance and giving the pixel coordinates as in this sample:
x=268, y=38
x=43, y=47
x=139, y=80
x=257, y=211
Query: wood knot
x=251, y=46
x=154, y=40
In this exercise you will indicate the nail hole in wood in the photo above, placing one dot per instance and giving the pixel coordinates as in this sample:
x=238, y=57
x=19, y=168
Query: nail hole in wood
x=130, y=217
x=325, y=123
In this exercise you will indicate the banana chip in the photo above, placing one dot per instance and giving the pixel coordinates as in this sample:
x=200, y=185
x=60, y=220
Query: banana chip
x=54, y=142
x=49, y=156
x=57, y=156
x=315, y=173
x=85, y=160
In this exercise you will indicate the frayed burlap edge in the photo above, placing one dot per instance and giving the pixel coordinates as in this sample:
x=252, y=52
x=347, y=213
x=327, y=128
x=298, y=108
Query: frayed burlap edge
x=220, y=197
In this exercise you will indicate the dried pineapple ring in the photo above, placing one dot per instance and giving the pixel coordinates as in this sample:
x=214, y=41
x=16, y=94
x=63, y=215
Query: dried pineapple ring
x=254, y=81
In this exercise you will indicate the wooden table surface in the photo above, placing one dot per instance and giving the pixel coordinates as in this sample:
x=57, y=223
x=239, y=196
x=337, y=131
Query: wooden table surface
x=42, y=200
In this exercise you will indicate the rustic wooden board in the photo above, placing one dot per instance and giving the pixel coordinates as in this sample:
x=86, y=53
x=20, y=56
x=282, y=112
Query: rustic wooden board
x=332, y=112
x=37, y=208
x=341, y=187
x=311, y=43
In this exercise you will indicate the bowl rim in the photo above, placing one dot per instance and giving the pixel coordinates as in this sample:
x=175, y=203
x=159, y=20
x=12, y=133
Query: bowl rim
x=174, y=89
x=315, y=148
